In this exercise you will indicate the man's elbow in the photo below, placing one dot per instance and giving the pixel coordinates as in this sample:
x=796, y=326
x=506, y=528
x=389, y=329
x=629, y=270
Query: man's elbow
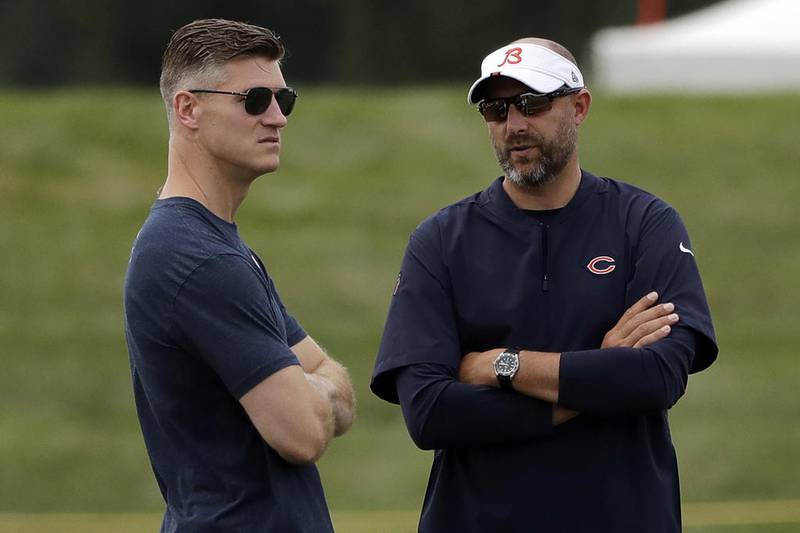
x=666, y=374
x=672, y=393
x=673, y=385
x=658, y=386
x=307, y=448
x=421, y=441
x=659, y=397
x=302, y=455
x=422, y=437
x=305, y=442
x=425, y=443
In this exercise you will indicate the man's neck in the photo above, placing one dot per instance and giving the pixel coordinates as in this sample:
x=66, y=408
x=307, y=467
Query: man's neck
x=196, y=177
x=554, y=194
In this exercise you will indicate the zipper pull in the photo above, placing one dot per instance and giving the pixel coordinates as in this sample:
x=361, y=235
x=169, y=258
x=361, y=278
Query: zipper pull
x=545, y=262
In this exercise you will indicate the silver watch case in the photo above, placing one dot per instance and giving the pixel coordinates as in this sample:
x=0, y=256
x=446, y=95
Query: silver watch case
x=506, y=366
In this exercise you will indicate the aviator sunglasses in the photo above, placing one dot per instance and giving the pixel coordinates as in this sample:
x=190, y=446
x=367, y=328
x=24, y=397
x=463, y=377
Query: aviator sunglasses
x=257, y=99
x=529, y=104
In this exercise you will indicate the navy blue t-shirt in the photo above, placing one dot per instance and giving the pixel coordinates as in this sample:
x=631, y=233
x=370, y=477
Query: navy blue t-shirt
x=483, y=274
x=204, y=325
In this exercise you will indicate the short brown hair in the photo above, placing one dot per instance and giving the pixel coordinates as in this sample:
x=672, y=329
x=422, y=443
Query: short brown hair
x=551, y=45
x=200, y=47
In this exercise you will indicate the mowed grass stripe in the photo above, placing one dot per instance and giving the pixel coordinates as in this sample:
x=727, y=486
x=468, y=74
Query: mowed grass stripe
x=741, y=513
x=694, y=515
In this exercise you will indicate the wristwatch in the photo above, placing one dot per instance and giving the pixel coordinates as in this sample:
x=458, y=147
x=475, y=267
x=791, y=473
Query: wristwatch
x=506, y=366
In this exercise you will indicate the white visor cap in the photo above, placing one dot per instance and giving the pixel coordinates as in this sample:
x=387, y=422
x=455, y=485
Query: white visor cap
x=540, y=68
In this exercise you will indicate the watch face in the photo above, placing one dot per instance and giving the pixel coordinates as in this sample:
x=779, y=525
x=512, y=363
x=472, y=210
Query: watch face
x=506, y=364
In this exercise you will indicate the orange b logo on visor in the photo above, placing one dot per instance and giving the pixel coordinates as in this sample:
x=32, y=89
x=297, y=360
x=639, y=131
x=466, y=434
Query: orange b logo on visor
x=513, y=56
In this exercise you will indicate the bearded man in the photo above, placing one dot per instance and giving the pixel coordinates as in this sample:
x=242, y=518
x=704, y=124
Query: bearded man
x=541, y=329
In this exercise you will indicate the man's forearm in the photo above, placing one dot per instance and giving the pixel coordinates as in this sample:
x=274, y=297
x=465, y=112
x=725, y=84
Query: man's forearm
x=621, y=377
x=537, y=376
x=609, y=381
x=441, y=412
x=330, y=379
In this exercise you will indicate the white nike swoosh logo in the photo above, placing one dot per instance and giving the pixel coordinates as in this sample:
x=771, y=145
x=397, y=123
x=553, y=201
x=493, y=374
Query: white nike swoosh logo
x=684, y=249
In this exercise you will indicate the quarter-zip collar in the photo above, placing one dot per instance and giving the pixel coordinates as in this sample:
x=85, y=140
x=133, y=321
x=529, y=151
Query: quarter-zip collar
x=497, y=201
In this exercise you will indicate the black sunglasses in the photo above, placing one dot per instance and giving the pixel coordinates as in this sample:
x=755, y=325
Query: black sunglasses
x=529, y=104
x=257, y=99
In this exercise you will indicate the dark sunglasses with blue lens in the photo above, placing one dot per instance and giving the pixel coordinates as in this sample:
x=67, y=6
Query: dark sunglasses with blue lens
x=257, y=99
x=529, y=104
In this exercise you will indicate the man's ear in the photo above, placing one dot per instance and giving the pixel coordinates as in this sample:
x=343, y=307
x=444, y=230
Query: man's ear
x=583, y=101
x=185, y=109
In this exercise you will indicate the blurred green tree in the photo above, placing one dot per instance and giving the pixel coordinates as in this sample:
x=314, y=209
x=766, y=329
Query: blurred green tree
x=54, y=42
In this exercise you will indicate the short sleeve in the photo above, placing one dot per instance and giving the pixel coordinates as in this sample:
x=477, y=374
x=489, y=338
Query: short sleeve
x=294, y=331
x=420, y=326
x=225, y=314
x=664, y=261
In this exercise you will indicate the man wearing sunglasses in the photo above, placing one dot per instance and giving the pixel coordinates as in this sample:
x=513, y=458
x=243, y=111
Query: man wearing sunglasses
x=523, y=341
x=235, y=400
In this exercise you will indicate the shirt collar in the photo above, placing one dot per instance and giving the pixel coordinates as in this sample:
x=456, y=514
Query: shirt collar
x=497, y=200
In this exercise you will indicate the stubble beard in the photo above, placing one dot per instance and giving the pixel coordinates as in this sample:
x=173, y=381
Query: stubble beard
x=553, y=156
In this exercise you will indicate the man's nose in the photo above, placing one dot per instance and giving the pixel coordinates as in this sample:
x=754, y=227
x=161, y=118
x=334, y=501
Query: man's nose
x=516, y=121
x=273, y=116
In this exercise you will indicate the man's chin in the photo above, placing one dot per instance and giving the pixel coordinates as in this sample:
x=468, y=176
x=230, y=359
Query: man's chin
x=268, y=166
x=524, y=171
x=529, y=179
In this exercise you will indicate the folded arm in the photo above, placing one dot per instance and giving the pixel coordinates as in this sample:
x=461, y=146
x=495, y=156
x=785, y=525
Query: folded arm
x=300, y=409
x=440, y=412
x=642, y=366
x=290, y=415
x=626, y=381
x=223, y=314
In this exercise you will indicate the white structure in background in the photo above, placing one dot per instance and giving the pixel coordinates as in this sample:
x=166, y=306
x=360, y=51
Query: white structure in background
x=734, y=46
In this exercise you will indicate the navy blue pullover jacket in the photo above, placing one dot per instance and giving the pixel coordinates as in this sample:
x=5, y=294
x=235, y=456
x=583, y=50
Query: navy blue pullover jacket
x=483, y=274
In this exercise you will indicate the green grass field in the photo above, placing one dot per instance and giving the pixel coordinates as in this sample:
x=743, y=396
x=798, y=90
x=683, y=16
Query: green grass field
x=360, y=168
x=776, y=516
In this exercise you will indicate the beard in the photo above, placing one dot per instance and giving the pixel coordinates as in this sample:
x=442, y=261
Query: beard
x=553, y=156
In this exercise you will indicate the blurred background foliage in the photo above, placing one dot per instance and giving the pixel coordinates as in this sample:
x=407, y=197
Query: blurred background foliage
x=54, y=42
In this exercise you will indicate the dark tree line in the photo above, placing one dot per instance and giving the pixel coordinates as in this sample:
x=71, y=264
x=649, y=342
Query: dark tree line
x=54, y=42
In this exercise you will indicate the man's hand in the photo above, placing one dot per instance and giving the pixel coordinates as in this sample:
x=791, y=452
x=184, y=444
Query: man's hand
x=322, y=386
x=330, y=379
x=641, y=324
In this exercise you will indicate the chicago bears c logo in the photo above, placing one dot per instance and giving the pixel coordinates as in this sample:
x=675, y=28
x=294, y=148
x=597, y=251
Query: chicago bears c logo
x=596, y=265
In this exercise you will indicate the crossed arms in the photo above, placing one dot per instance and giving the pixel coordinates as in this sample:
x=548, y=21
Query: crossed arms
x=298, y=410
x=627, y=375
